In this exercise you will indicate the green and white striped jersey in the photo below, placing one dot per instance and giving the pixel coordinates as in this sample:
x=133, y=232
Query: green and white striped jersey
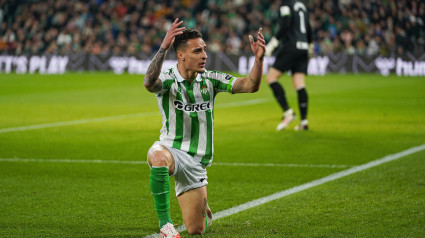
x=187, y=111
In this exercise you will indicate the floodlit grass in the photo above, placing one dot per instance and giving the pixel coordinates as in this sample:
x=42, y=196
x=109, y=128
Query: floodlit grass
x=354, y=119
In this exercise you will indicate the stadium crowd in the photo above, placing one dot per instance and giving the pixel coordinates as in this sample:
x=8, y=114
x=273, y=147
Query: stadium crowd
x=364, y=27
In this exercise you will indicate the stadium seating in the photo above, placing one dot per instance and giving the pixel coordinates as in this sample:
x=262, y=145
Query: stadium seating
x=110, y=26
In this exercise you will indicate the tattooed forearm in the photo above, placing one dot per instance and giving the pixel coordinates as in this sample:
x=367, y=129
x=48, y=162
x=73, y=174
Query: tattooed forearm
x=151, y=81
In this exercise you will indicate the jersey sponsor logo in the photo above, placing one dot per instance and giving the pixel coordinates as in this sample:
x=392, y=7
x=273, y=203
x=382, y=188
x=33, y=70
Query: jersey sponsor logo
x=198, y=107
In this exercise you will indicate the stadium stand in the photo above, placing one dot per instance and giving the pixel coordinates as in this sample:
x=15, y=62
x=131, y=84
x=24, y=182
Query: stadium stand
x=366, y=27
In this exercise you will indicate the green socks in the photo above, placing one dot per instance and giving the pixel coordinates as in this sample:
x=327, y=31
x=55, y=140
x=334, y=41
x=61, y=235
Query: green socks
x=160, y=188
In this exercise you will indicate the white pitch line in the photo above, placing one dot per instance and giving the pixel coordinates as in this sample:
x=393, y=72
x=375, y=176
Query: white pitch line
x=111, y=118
x=76, y=122
x=144, y=162
x=72, y=161
x=285, y=165
x=314, y=183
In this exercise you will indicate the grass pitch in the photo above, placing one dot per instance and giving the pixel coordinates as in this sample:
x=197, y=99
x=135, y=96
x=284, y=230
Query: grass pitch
x=52, y=186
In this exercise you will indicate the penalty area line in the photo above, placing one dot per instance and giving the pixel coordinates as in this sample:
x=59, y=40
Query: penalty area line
x=314, y=183
x=119, y=117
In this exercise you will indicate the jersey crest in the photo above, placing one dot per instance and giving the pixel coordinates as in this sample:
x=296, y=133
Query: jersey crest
x=204, y=89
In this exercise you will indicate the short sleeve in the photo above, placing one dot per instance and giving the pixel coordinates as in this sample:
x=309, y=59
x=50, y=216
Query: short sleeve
x=222, y=82
x=167, y=80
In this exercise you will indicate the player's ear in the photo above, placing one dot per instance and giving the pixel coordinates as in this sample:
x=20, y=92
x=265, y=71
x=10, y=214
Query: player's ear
x=180, y=55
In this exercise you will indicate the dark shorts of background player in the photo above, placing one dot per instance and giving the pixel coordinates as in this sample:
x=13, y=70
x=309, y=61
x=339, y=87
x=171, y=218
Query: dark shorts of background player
x=291, y=58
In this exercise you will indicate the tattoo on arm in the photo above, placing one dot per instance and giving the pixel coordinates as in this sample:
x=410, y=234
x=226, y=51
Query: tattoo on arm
x=154, y=69
x=254, y=82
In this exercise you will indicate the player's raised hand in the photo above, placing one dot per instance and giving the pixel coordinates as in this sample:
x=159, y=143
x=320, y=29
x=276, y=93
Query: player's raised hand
x=172, y=33
x=258, y=47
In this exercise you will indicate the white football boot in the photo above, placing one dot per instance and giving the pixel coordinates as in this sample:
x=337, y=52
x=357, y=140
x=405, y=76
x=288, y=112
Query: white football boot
x=288, y=117
x=303, y=126
x=168, y=230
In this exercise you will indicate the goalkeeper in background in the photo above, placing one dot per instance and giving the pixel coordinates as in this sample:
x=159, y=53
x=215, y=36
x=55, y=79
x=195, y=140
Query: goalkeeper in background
x=291, y=45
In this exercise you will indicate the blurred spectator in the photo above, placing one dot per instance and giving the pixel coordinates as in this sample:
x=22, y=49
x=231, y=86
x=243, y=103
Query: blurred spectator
x=369, y=26
x=137, y=26
x=361, y=48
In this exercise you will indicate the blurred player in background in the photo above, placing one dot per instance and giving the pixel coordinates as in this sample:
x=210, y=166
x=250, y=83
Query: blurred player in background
x=186, y=95
x=291, y=45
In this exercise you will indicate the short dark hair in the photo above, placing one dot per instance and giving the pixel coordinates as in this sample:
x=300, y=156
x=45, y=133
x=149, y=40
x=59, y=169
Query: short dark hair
x=188, y=34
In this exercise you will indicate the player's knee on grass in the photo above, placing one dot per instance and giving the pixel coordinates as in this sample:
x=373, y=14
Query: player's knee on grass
x=194, y=210
x=196, y=228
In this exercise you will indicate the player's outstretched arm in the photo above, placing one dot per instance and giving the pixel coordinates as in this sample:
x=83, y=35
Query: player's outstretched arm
x=152, y=82
x=251, y=83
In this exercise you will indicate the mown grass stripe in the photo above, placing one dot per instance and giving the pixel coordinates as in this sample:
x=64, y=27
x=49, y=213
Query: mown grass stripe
x=117, y=117
x=144, y=162
x=76, y=122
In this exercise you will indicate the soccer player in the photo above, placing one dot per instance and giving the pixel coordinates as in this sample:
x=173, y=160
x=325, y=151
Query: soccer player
x=185, y=95
x=291, y=42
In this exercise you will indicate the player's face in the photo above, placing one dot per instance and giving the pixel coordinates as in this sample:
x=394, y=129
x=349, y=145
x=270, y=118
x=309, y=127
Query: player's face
x=195, y=55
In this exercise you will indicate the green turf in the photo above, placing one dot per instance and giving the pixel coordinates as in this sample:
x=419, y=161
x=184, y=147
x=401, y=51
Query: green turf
x=354, y=119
